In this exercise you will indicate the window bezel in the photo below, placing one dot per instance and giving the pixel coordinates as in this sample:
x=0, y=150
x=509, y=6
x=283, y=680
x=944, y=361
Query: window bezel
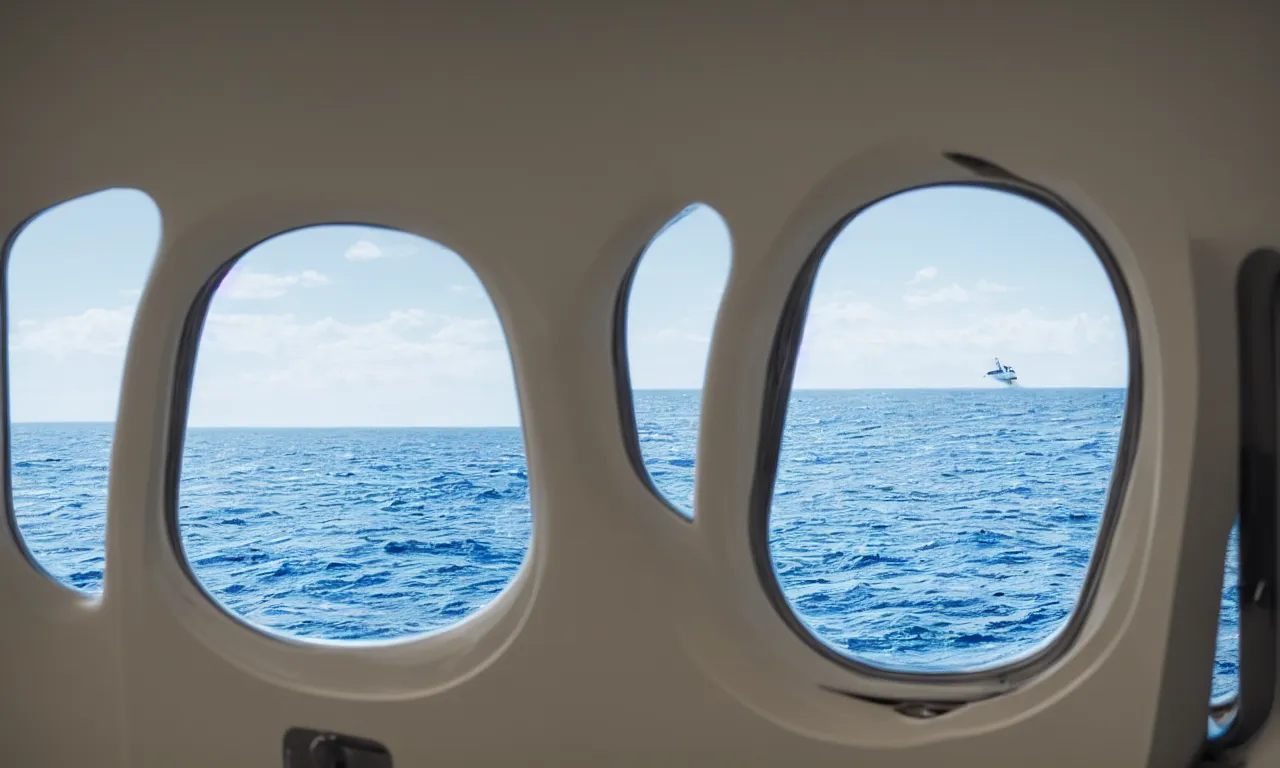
x=1240, y=717
x=624, y=392
x=62, y=588
x=779, y=375
x=179, y=407
x=6, y=449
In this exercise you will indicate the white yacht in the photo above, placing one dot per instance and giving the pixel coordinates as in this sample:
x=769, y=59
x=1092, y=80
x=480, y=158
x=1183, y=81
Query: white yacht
x=1003, y=374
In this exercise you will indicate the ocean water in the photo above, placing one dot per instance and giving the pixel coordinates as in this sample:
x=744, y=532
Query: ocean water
x=926, y=529
x=940, y=530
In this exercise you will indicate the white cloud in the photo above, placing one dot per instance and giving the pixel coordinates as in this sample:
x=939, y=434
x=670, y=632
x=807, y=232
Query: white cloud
x=847, y=344
x=264, y=285
x=363, y=250
x=951, y=294
x=91, y=332
x=829, y=327
x=926, y=273
x=406, y=345
x=409, y=367
x=955, y=294
x=468, y=290
x=986, y=286
x=834, y=313
x=673, y=334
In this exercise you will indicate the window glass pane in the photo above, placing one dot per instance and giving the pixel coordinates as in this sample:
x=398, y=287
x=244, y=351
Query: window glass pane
x=353, y=466
x=72, y=283
x=952, y=432
x=1226, y=669
x=671, y=310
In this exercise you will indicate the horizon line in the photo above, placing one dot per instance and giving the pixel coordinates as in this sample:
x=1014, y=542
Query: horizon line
x=513, y=426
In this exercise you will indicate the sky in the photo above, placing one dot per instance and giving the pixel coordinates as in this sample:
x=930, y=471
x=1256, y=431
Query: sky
x=350, y=325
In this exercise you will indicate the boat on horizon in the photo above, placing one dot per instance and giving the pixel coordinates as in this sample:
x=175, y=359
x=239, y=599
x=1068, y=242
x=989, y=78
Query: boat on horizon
x=1003, y=374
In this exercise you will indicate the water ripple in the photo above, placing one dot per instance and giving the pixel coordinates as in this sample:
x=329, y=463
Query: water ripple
x=927, y=529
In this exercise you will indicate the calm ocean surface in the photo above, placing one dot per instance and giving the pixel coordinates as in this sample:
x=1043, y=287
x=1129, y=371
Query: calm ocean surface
x=919, y=529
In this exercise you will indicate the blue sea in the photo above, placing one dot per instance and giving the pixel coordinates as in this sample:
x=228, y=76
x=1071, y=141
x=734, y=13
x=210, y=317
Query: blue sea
x=914, y=529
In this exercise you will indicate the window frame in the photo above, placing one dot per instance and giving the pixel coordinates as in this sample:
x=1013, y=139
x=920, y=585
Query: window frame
x=6, y=450
x=624, y=392
x=45, y=576
x=179, y=411
x=1242, y=716
x=779, y=377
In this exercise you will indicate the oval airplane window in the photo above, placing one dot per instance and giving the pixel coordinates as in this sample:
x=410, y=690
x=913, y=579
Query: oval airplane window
x=671, y=303
x=72, y=280
x=951, y=433
x=353, y=466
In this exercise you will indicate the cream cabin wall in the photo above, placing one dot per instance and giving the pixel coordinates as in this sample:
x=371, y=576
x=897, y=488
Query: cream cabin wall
x=545, y=143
